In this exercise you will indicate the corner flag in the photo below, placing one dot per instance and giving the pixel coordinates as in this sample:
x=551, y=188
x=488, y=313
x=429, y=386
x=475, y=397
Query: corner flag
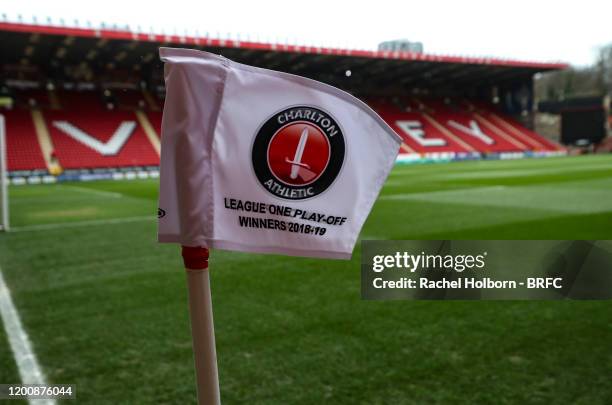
x=261, y=161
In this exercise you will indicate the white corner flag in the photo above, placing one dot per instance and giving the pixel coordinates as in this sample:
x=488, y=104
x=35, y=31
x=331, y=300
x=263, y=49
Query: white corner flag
x=261, y=161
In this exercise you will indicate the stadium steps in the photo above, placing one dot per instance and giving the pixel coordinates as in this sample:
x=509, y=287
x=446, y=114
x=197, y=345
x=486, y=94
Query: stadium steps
x=149, y=131
x=406, y=149
x=44, y=141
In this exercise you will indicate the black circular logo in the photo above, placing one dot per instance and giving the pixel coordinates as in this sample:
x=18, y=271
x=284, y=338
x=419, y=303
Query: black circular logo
x=298, y=152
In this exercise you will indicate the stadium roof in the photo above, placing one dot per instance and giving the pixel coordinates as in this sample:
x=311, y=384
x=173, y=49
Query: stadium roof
x=45, y=47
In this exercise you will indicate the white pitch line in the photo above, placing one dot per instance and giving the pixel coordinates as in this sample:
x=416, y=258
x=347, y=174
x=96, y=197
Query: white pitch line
x=29, y=369
x=78, y=224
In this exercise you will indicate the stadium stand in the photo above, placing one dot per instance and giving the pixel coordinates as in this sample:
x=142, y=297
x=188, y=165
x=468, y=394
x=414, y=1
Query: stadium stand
x=90, y=101
x=88, y=131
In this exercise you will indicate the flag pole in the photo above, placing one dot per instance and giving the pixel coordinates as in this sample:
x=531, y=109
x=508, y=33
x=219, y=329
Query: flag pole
x=202, y=327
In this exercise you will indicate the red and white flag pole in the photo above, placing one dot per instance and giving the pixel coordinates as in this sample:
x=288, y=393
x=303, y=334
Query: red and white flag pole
x=202, y=327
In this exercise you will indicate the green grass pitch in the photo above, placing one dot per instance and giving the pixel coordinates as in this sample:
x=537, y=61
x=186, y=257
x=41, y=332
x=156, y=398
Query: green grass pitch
x=105, y=306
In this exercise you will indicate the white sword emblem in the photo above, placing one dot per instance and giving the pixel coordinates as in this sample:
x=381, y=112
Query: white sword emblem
x=296, y=163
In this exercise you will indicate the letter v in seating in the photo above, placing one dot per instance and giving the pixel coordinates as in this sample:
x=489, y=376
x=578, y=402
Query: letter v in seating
x=108, y=148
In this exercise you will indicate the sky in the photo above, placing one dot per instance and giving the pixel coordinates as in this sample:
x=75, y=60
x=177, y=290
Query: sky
x=538, y=30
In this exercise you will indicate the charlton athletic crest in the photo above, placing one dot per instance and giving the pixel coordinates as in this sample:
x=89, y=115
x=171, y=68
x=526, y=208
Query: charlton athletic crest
x=298, y=152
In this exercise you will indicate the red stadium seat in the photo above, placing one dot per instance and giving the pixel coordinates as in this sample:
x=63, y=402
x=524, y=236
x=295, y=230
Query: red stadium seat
x=155, y=117
x=435, y=126
x=23, y=149
x=511, y=126
x=419, y=132
x=108, y=138
x=474, y=129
